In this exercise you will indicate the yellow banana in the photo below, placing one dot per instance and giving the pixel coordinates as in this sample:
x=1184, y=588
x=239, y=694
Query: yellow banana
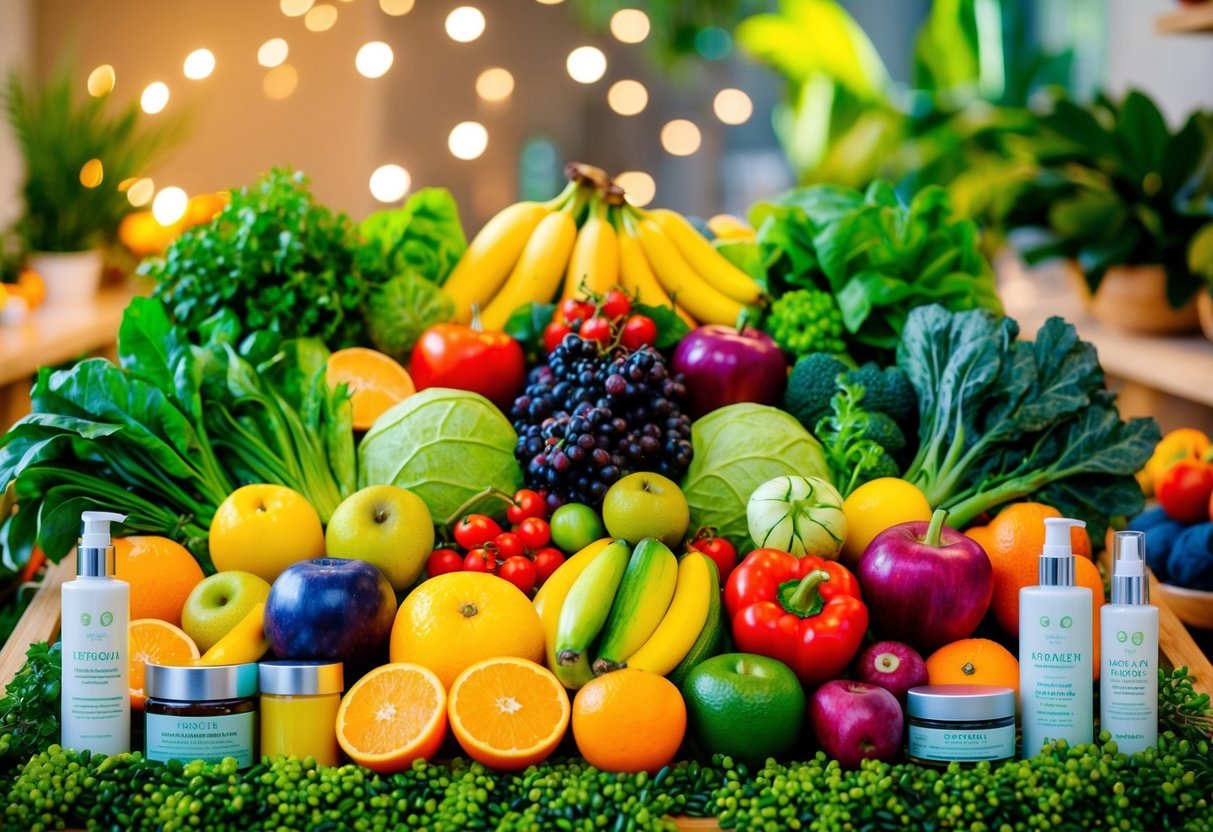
x=490, y=257
x=550, y=598
x=536, y=275
x=640, y=603
x=703, y=257
x=683, y=622
x=676, y=276
x=731, y=228
x=594, y=263
x=244, y=643
x=638, y=279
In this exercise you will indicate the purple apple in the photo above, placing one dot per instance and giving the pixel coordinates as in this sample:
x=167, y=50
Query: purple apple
x=854, y=721
x=723, y=365
x=892, y=665
x=329, y=608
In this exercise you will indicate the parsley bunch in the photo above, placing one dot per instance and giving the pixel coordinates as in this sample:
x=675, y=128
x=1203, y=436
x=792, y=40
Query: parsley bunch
x=29, y=711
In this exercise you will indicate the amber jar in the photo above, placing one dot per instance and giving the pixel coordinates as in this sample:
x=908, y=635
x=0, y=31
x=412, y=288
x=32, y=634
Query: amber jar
x=201, y=712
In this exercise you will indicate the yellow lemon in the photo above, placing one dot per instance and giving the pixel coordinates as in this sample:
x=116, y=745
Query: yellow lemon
x=875, y=506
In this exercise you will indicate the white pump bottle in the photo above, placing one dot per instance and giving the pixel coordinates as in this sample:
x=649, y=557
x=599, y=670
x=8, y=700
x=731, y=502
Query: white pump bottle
x=1128, y=650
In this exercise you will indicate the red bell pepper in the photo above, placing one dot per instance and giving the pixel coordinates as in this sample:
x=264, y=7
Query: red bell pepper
x=807, y=612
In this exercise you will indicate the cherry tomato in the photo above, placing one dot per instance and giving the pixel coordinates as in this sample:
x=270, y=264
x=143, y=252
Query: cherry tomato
x=476, y=530
x=508, y=545
x=547, y=561
x=535, y=533
x=479, y=560
x=638, y=331
x=721, y=551
x=616, y=304
x=520, y=572
x=553, y=334
x=596, y=329
x=442, y=561
x=1185, y=490
x=572, y=311
x=527, y=503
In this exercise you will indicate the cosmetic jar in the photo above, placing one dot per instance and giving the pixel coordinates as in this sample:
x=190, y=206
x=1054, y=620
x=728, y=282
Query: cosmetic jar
x=299, y=702
x=960, y=723
x=201, y=712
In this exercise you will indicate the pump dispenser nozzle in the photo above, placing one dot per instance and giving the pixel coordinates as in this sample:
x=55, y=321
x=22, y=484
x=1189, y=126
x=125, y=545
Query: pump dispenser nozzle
x=1057, y=558
x=1129, y=584
x=95, y=554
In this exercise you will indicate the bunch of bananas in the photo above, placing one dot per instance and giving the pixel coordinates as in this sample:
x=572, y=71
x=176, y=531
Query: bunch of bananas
x=584, y=243
x=611, y=606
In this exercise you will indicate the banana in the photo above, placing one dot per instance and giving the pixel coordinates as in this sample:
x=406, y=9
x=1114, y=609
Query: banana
x=549, y=600
x=536, y=275
x=687, y=288
x=244, y=643
x=684, y=620
x=594, y=264
x=585, y=610
x=490, y=257
x=640, y=604
x=703, y=257
x=711, y=638
x=638, y=279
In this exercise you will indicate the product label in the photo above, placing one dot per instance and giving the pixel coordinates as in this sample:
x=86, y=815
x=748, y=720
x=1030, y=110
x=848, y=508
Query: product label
x=963, y=746
x=1056, y=674
x=96, y=694
x=209, y=738
x=1129, y=693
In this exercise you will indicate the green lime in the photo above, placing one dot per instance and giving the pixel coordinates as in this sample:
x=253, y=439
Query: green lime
x=575, y=526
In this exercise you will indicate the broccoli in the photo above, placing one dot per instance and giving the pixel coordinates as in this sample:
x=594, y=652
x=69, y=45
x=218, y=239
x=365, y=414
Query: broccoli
x=811, y=386
x=806, y=321
x=887, y=391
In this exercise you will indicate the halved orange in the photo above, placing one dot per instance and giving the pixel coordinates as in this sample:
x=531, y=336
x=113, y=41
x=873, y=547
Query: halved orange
x=392, y=716
x=375, y=381
x=508, y=713
x=158, y=642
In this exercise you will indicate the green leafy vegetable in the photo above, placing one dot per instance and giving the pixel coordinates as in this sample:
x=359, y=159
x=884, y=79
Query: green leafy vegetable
x=526, y=326
x=847, y=437
x=422, y=237
x=29, y=711
x=401, y=309
x=805, y=321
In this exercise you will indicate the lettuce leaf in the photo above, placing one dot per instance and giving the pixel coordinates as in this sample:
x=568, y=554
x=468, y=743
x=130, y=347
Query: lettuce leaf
x=422, y=237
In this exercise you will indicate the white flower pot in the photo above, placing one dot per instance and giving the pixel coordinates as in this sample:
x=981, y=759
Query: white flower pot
x=71, y=278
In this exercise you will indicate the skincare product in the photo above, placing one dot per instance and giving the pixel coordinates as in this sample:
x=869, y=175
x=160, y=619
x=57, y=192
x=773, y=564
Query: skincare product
x=96, y=714
x=960, y=723
x=1056, y=686
x=201, y=712
x=299, y=702
x=1128, y=650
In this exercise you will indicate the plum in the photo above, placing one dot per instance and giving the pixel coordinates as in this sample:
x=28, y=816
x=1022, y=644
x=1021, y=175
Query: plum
x=892, y=665
x=855, y=721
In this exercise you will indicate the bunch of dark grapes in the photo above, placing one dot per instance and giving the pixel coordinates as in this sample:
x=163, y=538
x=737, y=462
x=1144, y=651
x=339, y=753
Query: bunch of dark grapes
x=589, y=416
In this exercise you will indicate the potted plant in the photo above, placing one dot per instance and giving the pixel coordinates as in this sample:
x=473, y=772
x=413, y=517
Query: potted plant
x=1122, y=196
x=78, y=155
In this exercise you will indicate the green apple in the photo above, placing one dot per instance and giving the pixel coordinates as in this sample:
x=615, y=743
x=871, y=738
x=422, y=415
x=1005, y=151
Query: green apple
x=646, y=505
x=575, y=526
x=388, y=527
x=217, y=604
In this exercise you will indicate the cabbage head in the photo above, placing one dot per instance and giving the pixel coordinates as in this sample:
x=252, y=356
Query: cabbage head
x=737, y=449
x=445, y=446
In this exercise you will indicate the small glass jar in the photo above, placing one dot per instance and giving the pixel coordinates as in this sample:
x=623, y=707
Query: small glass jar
x=960, y=723
x=299, y=702
x=201, y=712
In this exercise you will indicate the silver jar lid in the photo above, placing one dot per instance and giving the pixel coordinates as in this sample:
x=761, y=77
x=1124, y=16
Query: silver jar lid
x=301, y=678
x=960, y=703
x=201, y=683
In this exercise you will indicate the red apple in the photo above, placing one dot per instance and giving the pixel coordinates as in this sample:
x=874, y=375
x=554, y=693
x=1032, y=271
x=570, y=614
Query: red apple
x=854, y=721
x=724, y=365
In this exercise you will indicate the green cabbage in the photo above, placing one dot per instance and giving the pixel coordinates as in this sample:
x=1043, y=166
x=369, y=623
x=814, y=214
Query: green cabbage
x=738, y=448
x=445, y=446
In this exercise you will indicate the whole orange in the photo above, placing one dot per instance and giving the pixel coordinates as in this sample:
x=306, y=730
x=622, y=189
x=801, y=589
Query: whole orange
x=629, y=720
x=161, y=572
x=973, y=661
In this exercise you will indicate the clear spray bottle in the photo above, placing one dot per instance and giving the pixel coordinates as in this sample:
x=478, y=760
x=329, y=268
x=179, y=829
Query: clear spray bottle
x=1128, y=650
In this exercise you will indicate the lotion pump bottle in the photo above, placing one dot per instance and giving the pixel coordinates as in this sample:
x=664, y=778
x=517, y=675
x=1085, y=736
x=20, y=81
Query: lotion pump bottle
x=96, y=611
x=1055, y=645
x=1128, y=650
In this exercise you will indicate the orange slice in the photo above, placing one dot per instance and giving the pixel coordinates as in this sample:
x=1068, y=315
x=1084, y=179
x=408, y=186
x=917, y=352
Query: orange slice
x=376, y=382
x=392, y=716
x=508, y=713
x=158, y=642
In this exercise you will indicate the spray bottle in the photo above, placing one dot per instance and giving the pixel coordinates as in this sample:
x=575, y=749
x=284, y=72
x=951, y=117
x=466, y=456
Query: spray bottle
x=1128, y=650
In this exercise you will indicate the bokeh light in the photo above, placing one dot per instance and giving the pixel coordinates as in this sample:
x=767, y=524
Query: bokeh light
x=630, y=25
x=713, y=43
x=732, y=106
x=272, y=52
x=468, y=140
x=586, y=64
x=199, y=64
x=680, y=137
x=495, y=84
x=374, y=59
x=389, y=183
x=101, y=80
x=628, y=97
x=465, y=24
x=92, y=173
x=396, y=7
x=320, y=18
x=638, y=187
x=295, y=8
x=169, y=205
x=140, y=192
x=280, y=82
x=154, y=98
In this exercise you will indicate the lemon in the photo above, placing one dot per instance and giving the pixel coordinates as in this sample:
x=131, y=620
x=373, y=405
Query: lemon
x=874, y=507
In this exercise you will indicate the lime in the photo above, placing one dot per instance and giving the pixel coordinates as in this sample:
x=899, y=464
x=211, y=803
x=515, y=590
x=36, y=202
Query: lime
x=747, y=706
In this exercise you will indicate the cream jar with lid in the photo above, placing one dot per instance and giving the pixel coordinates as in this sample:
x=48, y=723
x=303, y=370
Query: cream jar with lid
x=299, y=702
x=960, y=723
x=201, y=712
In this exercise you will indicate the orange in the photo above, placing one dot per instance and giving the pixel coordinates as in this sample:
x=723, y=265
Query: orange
x=203, y=207
x=973, y=661
x=375, y=381
x=392, y=716
x=158, y=642
x=508, y=713
x=31, y=287
x=453, y=621
x=629, y=720
x=161, y=572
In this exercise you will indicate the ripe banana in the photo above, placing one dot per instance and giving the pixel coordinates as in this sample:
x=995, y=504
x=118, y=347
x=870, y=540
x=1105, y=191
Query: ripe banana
x=490, y=257
x=549, y=600
x=677, y=277
x=244, y=643
x=640, y=604
x=638, y=279
x=585, y=610
x=711, y=638
x=594, y=263
x=703, y=257
x=684, y=620
x=536, y=275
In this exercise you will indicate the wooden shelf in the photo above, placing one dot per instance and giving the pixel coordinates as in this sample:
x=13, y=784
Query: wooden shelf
x=1186, y=20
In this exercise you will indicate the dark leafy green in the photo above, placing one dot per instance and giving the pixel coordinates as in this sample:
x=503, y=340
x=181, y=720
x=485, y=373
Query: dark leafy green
x=853, y=455
x=29, y=711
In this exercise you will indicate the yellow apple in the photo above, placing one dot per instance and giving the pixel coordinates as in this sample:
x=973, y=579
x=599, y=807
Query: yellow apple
x=263, y=529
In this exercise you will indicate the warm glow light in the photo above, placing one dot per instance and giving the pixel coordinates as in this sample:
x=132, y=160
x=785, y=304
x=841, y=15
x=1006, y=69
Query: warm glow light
x=733, y=106
x=169, y=205
x=638, y=187
x=92, y=173
x=630, y=25
x=550, y=2
x=465, y=24
x=374, y=59
x=199, y=64
x=628, y=97
x=140, y=192
x=389, y=183
x=468, y=140
x=295, y=8
x=320, y=18
x=280, y=82
x=396, y=7
x=272, y=52
x=495, y=84
x=586, y=64
x=101, y=80
x=154, y=98
x=680, y=137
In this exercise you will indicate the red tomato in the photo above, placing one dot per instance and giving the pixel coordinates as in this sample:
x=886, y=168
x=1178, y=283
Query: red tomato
x=638, y=331
x=442, y=561
x=553, y=334
x=1185, y=490
x=479, y=560
x=454, y=355
x=520, y=572
x=596, y=329
x=476, y=530
x=616, y=304
x=527, y=503
x=722, y=552
x=508, y=545
x=573, y=311
x=547, y=561
x=535, y=533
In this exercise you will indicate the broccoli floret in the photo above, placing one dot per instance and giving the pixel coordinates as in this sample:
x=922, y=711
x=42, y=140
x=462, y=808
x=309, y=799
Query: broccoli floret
x=884, y=466
x=806, y=321
x=888, y=391
x=811, y=386
x=884, y=431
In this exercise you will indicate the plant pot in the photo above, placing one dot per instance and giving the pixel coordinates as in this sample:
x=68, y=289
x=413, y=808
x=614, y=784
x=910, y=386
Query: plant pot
x=1204, y=310
x=1134, y=299
x=71, y=277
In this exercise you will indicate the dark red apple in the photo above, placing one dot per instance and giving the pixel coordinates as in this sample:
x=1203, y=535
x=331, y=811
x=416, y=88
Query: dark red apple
x=723, y=365
x=855, y=721
x=892, y=665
